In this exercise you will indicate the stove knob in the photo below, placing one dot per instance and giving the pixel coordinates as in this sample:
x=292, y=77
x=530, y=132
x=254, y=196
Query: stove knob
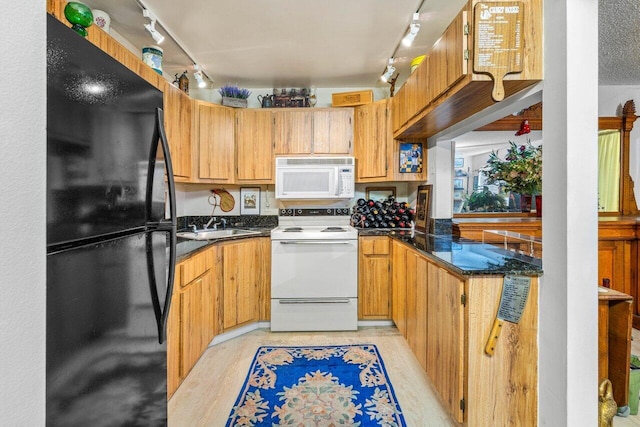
x=299, y=211
x=328, y=211
x=289, y=211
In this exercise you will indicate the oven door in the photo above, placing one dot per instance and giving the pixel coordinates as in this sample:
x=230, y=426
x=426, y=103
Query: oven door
x=314, y=268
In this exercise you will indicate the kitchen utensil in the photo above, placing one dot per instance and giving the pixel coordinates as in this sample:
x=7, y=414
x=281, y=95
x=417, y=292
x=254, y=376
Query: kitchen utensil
x=515, y=291
x=266, y=101
x=227, y=202
x=498, y=49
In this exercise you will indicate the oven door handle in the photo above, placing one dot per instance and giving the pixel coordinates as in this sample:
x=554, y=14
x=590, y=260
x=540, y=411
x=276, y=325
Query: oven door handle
x=315, y=242
x=314, y=301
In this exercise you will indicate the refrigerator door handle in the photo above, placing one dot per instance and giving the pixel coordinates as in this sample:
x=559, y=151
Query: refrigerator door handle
x=162, y=314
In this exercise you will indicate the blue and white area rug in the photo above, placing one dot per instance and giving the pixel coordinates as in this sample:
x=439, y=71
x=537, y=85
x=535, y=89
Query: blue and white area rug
x=343, y=385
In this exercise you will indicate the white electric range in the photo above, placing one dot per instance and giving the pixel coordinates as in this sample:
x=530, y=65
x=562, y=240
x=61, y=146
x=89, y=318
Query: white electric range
x=314, y=271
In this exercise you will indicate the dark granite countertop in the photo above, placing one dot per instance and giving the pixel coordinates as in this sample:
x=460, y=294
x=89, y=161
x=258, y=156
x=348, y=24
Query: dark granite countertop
x=463, y=256
x=187, y=247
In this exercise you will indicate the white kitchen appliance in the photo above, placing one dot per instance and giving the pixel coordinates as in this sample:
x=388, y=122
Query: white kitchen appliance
x=314, y=271
x=315, y=178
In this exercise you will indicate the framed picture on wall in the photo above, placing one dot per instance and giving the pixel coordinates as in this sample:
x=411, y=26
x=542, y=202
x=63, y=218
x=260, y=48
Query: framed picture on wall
x=458, y=162
x=250, y=201
x=423, y=208
x=411, y=157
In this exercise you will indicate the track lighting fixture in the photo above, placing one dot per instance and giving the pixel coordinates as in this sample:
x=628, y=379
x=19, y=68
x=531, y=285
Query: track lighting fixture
x=414, y=27
x=198, y=75
x=151, y=27
x=388, y=72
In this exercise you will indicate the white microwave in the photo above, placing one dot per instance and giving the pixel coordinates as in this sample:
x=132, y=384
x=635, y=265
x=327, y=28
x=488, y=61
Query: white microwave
x=315, y=177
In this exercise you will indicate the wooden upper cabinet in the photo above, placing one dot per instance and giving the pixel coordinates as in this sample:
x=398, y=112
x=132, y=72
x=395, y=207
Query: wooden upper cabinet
x=332, y=131
x=371, y=141
x=293, y=132
x=214, y=132
x=320, y=131
x=177, y=123
x=254, y=145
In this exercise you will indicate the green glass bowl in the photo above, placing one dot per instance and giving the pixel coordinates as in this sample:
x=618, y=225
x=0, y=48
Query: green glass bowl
x=80, y=16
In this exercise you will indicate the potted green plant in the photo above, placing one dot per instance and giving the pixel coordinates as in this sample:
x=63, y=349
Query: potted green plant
x=485, y=201
x=520, y=172
x=233, y=96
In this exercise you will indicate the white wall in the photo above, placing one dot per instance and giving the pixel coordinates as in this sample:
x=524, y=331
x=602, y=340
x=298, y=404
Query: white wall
x=323, y=94
x=611, y=99
x=22, y=215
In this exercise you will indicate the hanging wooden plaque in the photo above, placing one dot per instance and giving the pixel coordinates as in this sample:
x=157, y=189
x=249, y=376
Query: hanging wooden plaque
x=498, y=41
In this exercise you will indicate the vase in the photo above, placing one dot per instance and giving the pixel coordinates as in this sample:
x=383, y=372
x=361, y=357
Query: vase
x=538, y=205
x=80, y=16
x=525, y=203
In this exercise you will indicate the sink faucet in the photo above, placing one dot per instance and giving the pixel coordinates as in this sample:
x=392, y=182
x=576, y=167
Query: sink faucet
x=193, y=227
x=216, y=224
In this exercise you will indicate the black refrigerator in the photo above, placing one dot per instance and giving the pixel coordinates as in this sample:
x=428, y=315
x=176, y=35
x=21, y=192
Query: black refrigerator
x=110, y=239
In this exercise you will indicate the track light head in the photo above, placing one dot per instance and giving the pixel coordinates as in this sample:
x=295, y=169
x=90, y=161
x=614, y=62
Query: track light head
x=388, y=72
x=414, y=28
x=197, y=73
x=151, y=27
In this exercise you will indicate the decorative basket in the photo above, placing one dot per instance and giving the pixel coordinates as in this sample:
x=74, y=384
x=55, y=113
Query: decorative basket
x=234, y=102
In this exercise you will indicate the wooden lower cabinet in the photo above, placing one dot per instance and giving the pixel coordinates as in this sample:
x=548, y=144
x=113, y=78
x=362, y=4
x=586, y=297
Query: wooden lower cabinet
x=240, y=282
x=445, y=337
x=446, y=319
x=374, y=278
x=399, y=286
x=224, y=285
x=193, y=317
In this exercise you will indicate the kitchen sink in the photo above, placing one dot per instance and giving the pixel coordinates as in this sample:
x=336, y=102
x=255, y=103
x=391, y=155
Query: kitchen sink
x=215, y=234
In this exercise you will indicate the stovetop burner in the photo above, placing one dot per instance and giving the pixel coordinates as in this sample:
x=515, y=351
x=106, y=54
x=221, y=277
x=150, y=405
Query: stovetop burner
x=333, y=230
x=293, y=230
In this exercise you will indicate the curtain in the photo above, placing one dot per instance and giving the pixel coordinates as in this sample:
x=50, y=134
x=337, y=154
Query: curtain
x=609, y=170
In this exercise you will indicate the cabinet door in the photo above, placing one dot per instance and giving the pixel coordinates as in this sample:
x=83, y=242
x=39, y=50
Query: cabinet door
x=419, y=342
x=445, y=337
x=374, y=278
x=614, y=263
x=215, y=134
x=241, y=277
x=177, y=123
x=371, y=137
x=399, y=287
x=411, y=296
x=332, y=131
x=254, y=142
x=293, y=132
x=174, y=376
x=196, y=317
x=264, y=290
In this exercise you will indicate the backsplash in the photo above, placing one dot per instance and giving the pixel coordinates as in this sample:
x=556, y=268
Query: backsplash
x=237, y=221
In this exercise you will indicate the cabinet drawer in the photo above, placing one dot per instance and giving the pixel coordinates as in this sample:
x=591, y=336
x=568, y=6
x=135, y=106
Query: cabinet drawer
x=195, y=266
x=374, y=245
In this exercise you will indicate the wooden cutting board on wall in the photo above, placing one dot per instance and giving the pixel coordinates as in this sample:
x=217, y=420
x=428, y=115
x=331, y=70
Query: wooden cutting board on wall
x=498, y=41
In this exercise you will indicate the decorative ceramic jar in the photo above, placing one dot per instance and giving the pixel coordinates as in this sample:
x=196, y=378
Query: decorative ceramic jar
x=152, y=56
x=101, y=19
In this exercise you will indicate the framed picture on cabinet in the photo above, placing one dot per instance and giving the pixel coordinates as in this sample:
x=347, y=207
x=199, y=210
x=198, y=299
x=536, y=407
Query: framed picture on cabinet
x=411, y=157
x=250, y=201
x=423, y=208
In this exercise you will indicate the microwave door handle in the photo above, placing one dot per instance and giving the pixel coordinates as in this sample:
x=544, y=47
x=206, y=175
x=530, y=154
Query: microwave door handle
x=337, y=183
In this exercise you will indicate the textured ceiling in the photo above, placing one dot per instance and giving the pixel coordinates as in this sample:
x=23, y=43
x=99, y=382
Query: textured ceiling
x=619, y=42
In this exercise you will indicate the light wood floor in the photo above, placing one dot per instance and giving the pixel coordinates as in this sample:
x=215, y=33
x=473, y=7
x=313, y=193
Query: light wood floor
x=208, y=393
x=206, y=396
